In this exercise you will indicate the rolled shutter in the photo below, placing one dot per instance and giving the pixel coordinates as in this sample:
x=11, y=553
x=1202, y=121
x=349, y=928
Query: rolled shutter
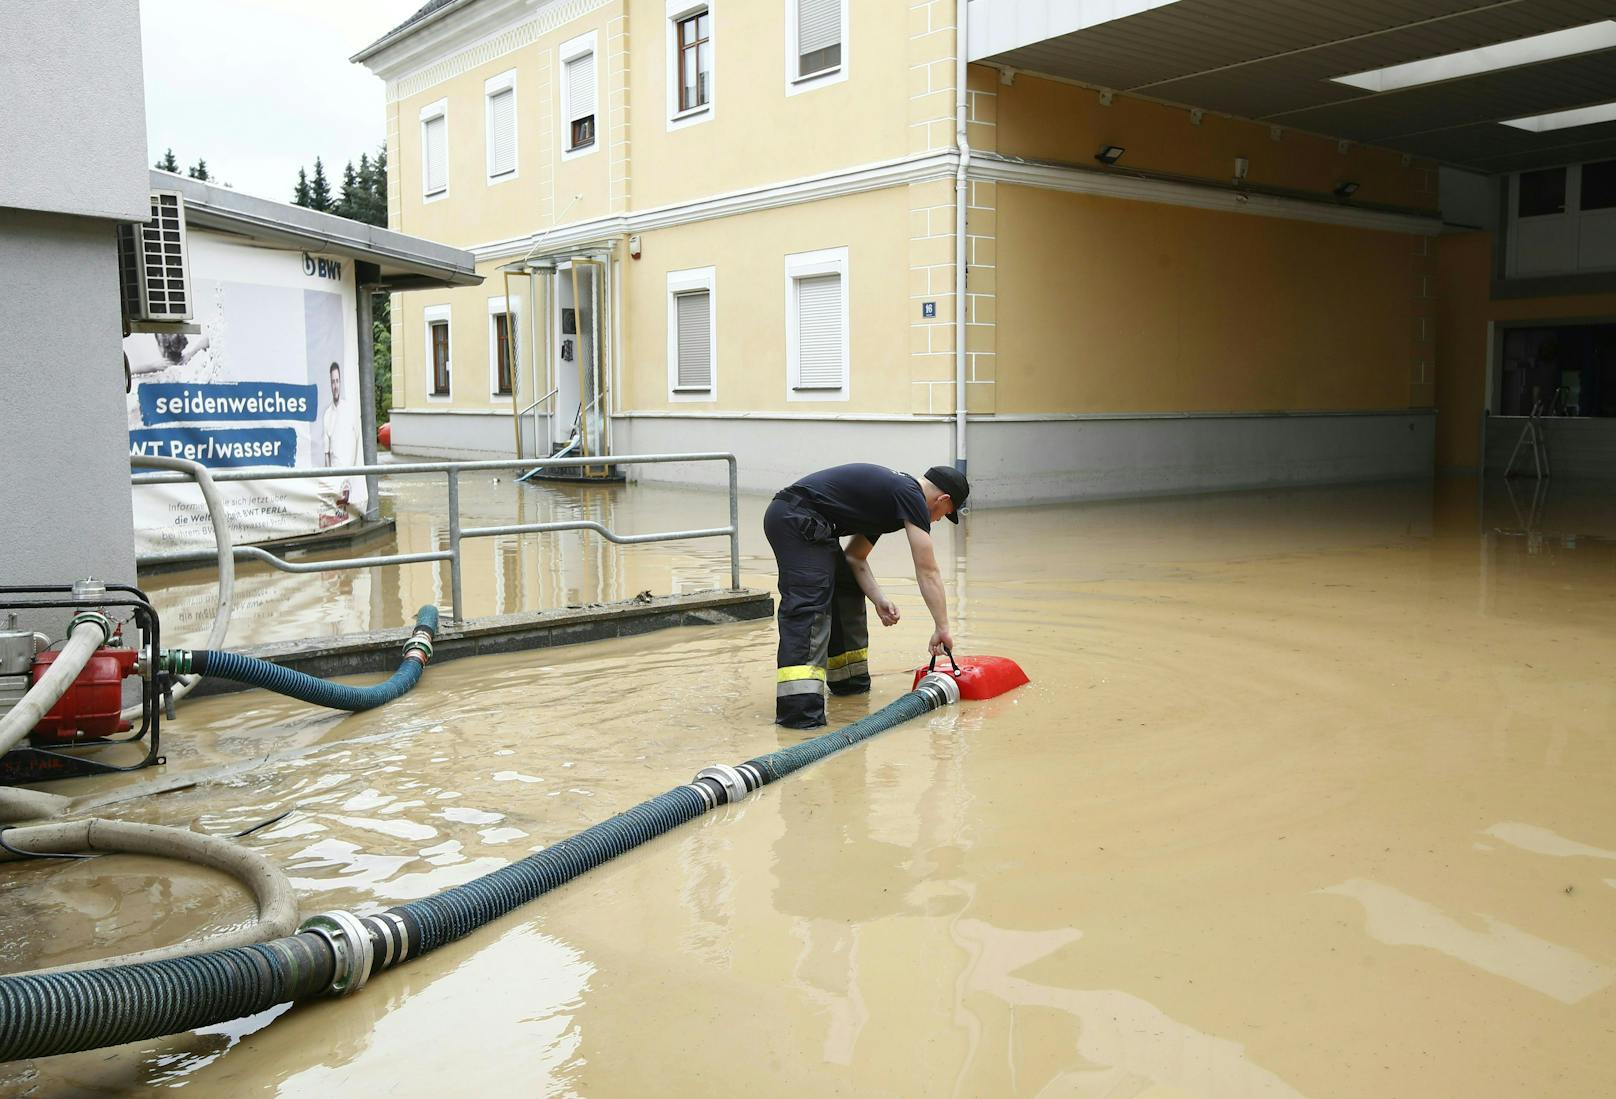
x=437, y=154
x=819, y=332
x=819, y=25
x=580, y=87
x=502, y=132
x=694, y=311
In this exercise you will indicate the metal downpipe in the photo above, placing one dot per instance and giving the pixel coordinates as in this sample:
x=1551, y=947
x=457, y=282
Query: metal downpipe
x=962, y=201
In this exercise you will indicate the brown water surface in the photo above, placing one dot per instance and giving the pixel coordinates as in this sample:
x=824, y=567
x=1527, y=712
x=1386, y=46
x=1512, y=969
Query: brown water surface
x=1310, y=796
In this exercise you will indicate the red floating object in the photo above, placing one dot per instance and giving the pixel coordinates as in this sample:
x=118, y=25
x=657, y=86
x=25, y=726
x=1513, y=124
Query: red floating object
x=384, y=436
x=91, y=706
x=979, y=677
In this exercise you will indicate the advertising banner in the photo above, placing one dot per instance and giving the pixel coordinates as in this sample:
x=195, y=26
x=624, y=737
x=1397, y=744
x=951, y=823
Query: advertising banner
x=271, y=380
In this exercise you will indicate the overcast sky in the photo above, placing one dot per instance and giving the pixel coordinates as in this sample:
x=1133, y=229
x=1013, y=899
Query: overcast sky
x=260, y=87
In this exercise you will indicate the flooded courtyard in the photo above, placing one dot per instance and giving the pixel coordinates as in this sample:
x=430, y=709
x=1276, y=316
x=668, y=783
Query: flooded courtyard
x=1309, y=797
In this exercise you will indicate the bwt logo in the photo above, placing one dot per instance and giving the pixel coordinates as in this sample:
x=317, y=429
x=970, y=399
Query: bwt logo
x=321, y=268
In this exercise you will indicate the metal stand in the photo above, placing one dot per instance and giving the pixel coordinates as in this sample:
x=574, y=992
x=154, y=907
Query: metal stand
x=32, y=764
x=1532, y=434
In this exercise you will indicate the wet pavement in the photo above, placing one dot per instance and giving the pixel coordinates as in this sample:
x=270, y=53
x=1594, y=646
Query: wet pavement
x=1309, y=796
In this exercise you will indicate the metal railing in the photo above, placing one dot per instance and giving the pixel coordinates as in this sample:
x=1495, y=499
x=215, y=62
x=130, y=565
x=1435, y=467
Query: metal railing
x=457, y=533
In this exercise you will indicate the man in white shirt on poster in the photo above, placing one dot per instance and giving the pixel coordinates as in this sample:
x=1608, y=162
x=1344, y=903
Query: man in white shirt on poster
x=340, y=431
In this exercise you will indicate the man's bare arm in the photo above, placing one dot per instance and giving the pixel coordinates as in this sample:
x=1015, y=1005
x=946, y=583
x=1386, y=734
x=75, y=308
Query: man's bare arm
x=857, y=553
x=930, y=579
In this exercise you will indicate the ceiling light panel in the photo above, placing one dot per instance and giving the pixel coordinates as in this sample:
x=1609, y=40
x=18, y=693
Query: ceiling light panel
x=1503, y=55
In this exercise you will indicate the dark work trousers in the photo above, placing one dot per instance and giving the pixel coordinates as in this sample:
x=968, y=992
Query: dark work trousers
x=824, y=639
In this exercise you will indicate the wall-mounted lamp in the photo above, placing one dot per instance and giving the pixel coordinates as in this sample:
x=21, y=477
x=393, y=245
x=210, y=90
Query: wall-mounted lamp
x=1241, y=167
x=1110, y=154
x=1346, y=188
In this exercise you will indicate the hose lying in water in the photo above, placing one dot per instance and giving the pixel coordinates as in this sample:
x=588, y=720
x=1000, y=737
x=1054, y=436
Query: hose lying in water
x=277, y=905
x=308, y=688
x=335, y=953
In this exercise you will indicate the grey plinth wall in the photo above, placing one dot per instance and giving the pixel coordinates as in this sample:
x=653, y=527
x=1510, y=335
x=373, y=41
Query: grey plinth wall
x=1052, y=459
x=1577, y=446
x=1031, y=462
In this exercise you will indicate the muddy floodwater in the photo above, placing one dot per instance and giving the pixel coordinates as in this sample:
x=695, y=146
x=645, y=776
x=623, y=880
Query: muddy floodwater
x=1311, y=795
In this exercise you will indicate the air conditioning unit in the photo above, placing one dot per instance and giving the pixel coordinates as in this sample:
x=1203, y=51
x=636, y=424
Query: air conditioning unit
x=153, y=268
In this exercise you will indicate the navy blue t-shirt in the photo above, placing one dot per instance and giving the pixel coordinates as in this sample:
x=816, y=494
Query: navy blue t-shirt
x=866, y=499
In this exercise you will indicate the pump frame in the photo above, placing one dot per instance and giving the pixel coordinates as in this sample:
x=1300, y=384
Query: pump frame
x=32, y=764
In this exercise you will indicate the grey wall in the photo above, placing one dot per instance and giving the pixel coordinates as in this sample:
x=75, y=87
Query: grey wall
x=773, y=452
x=456, y=436
x=1040, y=461
x=1469, y=198
x=1583, y=446
x=1029, y=462
x=73, y=126
x=64, y=435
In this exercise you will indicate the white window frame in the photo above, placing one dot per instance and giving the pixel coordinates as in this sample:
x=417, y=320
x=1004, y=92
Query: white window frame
x=494, y=85
x=796, y=85
x=681, y=282
x=497, y=306
x=676, y=11
x=802, y=265
x=570, y=50
x=436, y=110
x=429, y=316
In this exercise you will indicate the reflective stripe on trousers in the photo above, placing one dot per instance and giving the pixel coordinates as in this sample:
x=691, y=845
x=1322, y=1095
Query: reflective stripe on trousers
x=821, y=612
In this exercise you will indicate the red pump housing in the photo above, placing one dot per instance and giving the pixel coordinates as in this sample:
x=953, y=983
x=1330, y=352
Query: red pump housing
x=93, y=705
x=979, y=677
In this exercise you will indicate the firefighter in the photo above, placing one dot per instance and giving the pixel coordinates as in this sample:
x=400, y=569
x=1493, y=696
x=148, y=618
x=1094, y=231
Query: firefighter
x=824, y=641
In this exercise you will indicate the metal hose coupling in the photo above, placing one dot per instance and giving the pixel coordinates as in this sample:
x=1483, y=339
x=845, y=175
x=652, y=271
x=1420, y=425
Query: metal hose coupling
x=175, y=661
x=419, y=647
x=93, y=617
x=722, y=784
x=939, y=689
x=350, y=947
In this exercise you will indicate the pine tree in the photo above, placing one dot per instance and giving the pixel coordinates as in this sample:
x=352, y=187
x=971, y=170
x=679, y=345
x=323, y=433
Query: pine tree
x=300, y=193
x=320, y=189
x=199, y=170
x=351, y=200
x=168, y=163
x=378, y=189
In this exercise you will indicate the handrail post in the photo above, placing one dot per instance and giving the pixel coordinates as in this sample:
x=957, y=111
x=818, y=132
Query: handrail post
x=456, y=610
x=734, y=523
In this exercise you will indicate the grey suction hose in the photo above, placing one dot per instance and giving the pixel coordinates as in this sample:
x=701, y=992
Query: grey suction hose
x=227, y=558
x=335, y=953
x=307, y=688
x=277, y=904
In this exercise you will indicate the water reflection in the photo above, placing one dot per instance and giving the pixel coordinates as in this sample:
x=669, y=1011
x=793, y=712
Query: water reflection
x=1498, y=948
x=1303, y=798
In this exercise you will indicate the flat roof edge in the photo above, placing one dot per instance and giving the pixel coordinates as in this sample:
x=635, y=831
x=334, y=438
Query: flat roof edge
x=213, y=207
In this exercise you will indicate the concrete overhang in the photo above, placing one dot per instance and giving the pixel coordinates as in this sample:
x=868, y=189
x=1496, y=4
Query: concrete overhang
x=399, y=262
x=1277, y=61
x=440, y=27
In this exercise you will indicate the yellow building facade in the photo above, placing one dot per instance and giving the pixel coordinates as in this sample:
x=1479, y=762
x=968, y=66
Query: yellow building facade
x=733, y=226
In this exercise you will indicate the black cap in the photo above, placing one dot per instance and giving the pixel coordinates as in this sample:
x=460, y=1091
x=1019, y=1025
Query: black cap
x=953, y=482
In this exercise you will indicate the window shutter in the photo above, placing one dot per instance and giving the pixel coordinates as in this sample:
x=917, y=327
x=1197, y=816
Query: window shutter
x=502, y=132
x=437, y=154
x=819, y=332
x=694, y=311
x=581, y=87
x=819, y=25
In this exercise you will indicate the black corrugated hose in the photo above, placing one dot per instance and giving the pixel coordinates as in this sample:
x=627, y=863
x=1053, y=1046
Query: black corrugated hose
x=51, y=1013
x=222, y=664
